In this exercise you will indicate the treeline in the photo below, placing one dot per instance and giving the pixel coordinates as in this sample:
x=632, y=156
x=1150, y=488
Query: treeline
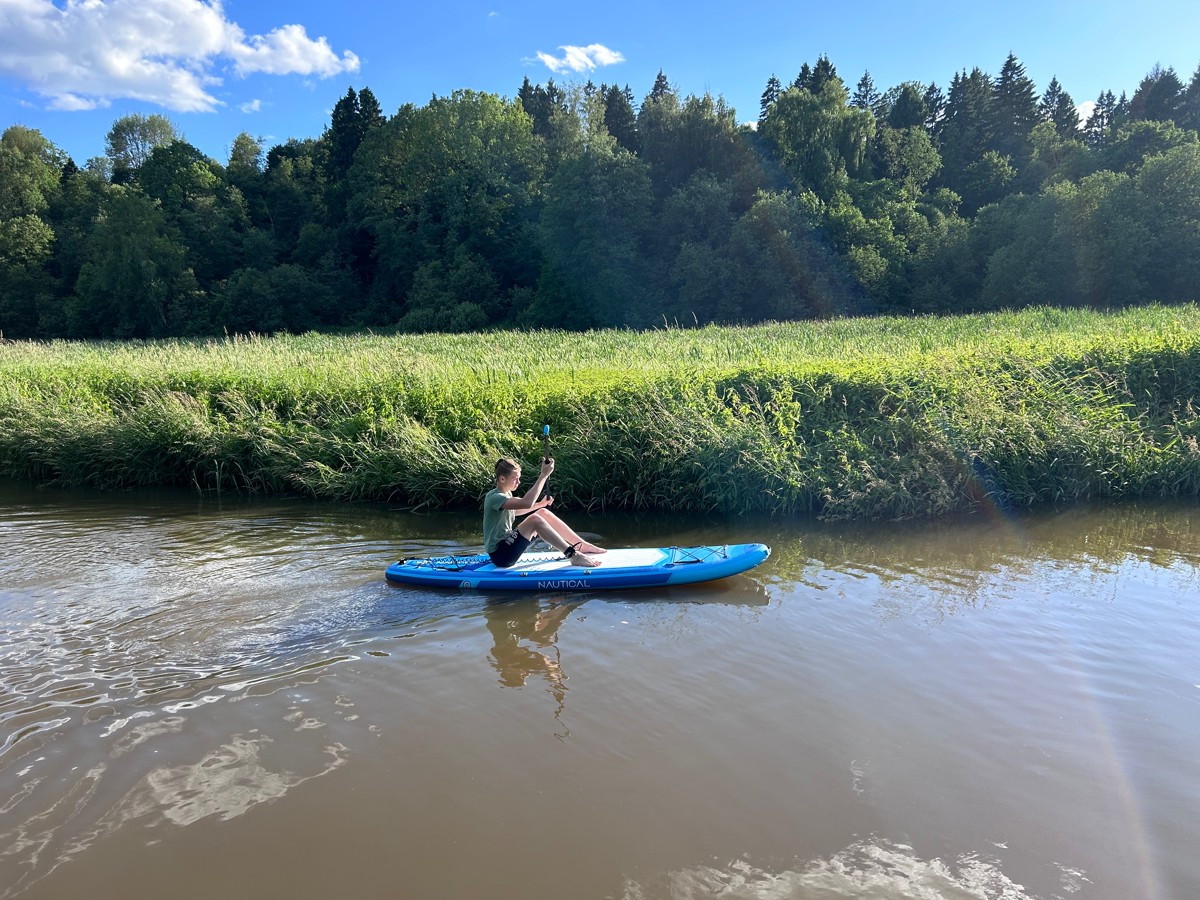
x=577, y=208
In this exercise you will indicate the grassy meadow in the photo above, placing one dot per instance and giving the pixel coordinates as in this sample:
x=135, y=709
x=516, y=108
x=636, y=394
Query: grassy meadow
x=857, y=418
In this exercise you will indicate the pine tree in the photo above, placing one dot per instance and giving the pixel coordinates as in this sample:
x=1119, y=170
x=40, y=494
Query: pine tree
x=804, y=77
x=353, y=116
x=823, y=73
x=865, y=95
x=1159, y=97
x=556, y=98
x=1099, y=126
x=935, y=106
x=1057, y=106
x=1049, y=99
x=1014, y=110
x=769, y=96
x=905, y=106
x=966, y=126
x=369, y=112
x=661, y=87
x=526, y=96
x=539, y=104
x=1190, y=113
x=620, y=118
x=342, y=135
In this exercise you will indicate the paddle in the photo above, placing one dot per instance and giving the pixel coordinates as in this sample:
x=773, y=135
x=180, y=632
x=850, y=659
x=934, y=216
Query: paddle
x=546, y=456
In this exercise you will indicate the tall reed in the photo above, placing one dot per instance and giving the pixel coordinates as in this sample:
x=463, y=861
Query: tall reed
x=856, y=418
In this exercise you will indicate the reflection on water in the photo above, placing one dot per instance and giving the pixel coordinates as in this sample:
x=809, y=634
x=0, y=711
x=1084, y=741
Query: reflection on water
x=941, y=569
x=1008, y=707
x=525, y=643
x=866, y=869
x=227, y=782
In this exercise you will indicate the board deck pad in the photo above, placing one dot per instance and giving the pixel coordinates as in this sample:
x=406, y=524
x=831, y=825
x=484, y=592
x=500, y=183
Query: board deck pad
x=621, y=568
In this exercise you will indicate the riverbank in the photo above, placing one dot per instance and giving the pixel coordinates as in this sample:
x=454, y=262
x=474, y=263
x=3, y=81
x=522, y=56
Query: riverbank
x=883, y=418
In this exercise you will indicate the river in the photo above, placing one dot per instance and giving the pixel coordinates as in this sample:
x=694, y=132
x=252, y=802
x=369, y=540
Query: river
x=221, y=697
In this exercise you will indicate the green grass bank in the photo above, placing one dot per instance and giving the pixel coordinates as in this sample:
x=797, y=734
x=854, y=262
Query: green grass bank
x=883, y=418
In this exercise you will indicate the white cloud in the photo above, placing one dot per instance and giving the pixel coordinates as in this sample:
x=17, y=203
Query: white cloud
x=289, y=50
x=1085, y=110
x=579, y=59
x=87, y=53
x=252, y=107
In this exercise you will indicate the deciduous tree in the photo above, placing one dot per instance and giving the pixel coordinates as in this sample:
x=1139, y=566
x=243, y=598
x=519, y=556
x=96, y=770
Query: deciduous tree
x=135, y=282
x=132, y=139
x=459, y=175
x=818, y=137
x=30, y=170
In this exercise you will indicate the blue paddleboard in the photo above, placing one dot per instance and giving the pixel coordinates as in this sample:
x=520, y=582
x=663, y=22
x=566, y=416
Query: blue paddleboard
x=627, y=568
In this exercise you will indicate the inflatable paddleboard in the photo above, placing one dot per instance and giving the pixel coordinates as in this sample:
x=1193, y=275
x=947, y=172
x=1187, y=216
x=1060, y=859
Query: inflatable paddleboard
x=551, y=571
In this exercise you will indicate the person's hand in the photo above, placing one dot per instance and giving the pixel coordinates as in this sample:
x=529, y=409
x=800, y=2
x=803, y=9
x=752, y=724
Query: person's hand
x=547, y=466
x=547, y=501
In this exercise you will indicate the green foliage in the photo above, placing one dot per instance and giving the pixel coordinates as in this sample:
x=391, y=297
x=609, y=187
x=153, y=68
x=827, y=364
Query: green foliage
x=1032, y=254
x=1054, y=158
x=593, y=225
x=135, y=281
x=1057, y=107
x=30, y=169
x=676, y=139
x=132, y=139
x=819, y=139
x=1014, y=109
x=273, y=298
x=769, y=95
x=458, y=175
x=1159, y=97
x=1169, y=204
x=353, y=116
x=784, y=271
x=567, y=207
x=1102, y=120
x=865, y=94
x=986, y=180
x=1136, y=142
x=903, y=106
x=853, y=418
x=543, y=105
x=965, y=131
x=1189, y=112
x=619, y=116
x=906, y=156
x=206, y=214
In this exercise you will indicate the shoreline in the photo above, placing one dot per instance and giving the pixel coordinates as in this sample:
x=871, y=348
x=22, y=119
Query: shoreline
x=868, y=419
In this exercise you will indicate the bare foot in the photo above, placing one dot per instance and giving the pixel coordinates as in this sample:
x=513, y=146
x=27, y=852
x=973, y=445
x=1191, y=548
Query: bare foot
x=579, y=558
x=591, y=548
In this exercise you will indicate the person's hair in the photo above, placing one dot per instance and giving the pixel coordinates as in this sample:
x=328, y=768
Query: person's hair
x=505, y=467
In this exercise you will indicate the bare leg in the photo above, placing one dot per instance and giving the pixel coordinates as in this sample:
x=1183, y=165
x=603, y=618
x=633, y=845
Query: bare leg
x=554, y=522
x=539, y=525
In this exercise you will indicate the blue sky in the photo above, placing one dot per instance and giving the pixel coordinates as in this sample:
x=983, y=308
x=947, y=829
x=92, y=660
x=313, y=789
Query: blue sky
x=71, y=67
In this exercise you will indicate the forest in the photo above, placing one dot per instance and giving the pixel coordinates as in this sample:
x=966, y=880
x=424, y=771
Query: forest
x=576, y=207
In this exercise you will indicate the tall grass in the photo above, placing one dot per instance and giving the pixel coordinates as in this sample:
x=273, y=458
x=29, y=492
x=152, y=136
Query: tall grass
x=857, y=418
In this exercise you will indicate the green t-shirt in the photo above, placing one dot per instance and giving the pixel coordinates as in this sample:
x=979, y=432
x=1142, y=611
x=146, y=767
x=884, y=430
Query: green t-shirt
x=497, y=522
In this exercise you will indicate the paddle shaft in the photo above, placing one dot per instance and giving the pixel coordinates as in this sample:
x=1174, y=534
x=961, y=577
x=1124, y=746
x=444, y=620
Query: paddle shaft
x=546, y=456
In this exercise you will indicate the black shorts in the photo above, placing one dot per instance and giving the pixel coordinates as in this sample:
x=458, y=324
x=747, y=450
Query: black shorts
x=509, y=550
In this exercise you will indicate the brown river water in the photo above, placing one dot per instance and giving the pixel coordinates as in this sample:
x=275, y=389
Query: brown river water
x=214, y=697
